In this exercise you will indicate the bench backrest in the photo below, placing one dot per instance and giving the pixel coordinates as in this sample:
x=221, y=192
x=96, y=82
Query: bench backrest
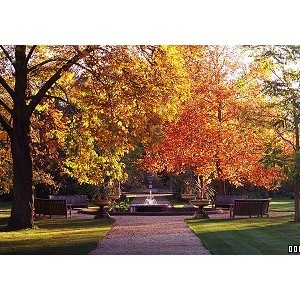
x=58, y=207
x=74, y=200
x=50, y=207
x=228, y=199
x=41, y=206
x=251, y=207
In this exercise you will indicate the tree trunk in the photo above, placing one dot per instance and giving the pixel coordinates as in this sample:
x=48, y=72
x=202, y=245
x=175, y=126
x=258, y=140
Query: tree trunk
x=220, y=181
x=22, y=206
x=221, y=187
x=297, y=165
x=296, y=197
x=201, y=185
x=24, y=105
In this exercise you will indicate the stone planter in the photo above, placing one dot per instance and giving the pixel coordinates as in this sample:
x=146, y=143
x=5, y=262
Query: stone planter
x=201, y=213
x=113, y=197
x=188, y=197
x=102, y=212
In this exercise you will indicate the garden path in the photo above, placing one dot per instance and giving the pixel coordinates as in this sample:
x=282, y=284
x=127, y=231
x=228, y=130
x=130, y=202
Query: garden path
x=150, y=235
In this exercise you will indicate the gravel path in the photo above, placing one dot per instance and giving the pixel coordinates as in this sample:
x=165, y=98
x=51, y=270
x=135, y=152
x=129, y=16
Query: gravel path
x=150, y=235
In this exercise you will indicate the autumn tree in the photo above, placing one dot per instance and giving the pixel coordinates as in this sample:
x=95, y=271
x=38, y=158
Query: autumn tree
x=283, y=87
x=215, y=134
x=107, y=96
x=123, y=101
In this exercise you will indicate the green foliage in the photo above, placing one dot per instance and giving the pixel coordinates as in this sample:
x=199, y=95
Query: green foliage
x=283, y=87
x=274, y=157
x=121, y=205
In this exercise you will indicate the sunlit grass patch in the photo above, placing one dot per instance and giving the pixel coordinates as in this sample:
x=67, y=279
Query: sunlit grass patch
x=247, y=235
x=282, y=204
x=54, y=236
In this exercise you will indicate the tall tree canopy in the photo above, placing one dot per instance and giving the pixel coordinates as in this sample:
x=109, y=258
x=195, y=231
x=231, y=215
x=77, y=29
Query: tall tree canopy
x=283, y=89
x=80, y=108
x=216, y=134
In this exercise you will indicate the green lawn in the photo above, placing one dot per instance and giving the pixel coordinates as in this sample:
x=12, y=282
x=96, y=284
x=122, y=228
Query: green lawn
x=5, y=205
x=53, y=236
x=247, y=235
x=282, y=204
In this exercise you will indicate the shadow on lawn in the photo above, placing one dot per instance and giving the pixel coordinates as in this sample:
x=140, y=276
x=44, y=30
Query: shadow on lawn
x=59, y=236
x=55, y=223
x=3, y=224
x=78, y=248
x=255, y=236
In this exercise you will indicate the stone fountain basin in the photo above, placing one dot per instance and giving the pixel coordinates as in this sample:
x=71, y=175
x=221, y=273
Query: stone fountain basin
x=149, y=207
x=138, y=203
x=145, y=195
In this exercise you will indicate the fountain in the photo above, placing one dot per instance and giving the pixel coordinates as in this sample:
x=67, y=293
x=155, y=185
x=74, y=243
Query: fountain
x=150, y=199
x=149, y=204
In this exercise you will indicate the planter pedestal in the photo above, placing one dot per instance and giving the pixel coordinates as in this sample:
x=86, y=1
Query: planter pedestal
x=200, y=213
x=102, y=212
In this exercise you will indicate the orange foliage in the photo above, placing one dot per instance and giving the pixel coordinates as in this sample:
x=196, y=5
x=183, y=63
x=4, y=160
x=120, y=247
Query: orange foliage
x=213, y=135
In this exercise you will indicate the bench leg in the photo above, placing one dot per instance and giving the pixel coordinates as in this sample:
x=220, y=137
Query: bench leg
x=231, y=215
x=69, y=209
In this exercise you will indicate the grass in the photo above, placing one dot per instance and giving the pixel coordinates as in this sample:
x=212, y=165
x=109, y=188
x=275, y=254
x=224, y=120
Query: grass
x=75, y=236
x=53, y=236
x=5, y=205
x=178, y=204
x=247, y=236
x=282, y=204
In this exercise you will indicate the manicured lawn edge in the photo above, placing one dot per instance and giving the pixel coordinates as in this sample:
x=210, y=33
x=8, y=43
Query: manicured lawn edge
x=247, y=236
x=57, y=236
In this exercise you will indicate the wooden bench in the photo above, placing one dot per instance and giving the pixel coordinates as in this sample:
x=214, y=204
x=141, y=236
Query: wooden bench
x=250, y=207
x=51, y=207
x=73, y=201
x=226, y=201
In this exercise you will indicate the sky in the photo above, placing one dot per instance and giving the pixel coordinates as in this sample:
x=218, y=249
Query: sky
x=150, y=22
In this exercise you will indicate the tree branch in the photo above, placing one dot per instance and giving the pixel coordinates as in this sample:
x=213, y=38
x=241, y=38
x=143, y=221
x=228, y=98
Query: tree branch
x=30, y=54
x=47, y=85
x=5, y=106
x=63, y=90
x=41, y=64
x=7, y=87
x=7, y=55
x=285, y=139
x=5, y=126
x=56, y=98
